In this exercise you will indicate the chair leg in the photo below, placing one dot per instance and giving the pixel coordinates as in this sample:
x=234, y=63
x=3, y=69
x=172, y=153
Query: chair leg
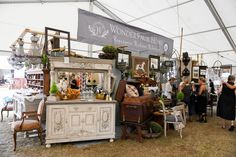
x=212, y=111
x=1, y=115
x=40, y=135
x=7, y=113
x=165, y=128
x=14, y=137
x=180, y=133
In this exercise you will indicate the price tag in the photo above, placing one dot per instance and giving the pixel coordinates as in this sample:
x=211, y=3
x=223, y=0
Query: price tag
x=66, y=60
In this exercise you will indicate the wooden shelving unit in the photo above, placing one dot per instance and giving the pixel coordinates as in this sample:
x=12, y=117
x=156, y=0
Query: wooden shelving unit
x=35, y=78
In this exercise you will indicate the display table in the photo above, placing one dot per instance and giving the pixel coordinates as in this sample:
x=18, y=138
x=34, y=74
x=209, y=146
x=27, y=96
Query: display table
x=22, y=103
x=75, y=120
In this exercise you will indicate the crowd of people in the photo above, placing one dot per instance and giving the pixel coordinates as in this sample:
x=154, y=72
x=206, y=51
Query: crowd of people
x=198, y=95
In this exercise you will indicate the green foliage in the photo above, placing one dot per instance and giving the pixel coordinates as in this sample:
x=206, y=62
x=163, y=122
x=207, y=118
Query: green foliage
x=53, y=89
x=162, y=98
x=156, y=128
x=109, y=49
x=44, y=59
x=180, y=96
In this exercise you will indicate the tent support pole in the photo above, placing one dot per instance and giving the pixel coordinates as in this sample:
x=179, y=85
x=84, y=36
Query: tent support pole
x=220, y=22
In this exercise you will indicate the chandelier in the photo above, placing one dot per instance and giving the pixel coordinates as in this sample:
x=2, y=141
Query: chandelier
x=19, y=57
x=217, y=67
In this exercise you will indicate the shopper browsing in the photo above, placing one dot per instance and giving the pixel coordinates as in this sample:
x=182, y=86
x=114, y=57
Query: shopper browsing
x=169, y=88
x=202, y=100
x=226, y=103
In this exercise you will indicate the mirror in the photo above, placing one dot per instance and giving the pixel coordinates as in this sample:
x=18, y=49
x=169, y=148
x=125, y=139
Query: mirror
x=123, y=60
x=80, y=80
x=154, y=63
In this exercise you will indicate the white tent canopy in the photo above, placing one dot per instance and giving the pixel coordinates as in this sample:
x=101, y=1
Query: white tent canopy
x=201, y=32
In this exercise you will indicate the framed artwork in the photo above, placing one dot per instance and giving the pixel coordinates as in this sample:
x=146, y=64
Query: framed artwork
x=154, y=63
x=123, y=60
x=140, y=66
x=195, y=72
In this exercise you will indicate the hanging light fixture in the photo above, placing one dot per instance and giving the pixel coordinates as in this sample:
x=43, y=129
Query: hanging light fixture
x=217, y=66
x=19, y=57
x=34, y=51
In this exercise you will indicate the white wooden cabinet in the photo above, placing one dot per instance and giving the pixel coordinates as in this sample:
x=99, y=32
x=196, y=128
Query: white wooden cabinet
x=79, y=121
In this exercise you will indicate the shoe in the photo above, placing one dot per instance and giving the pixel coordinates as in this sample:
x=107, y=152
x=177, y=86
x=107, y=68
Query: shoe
x=231, y=128
x=223, y=126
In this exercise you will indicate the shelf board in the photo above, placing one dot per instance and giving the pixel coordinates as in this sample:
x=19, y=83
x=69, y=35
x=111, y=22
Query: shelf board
x=35, y=79
x=35, y=85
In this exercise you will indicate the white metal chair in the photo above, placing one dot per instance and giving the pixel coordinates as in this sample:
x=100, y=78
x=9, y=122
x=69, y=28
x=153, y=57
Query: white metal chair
x=181, y=106
x=176, y=118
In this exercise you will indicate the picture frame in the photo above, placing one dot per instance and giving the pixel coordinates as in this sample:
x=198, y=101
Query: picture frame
x=123, y=60
x=154, y=63
x=195, y=73
x=140, y=66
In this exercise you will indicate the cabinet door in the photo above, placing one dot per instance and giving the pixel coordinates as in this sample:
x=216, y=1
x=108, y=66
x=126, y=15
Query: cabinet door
x=89, y=122
x=75, y=124
x=106, y=119
x=56, y=124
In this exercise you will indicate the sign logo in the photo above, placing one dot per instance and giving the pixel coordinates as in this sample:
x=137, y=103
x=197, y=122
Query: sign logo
x=165, y=47
x=98, y=29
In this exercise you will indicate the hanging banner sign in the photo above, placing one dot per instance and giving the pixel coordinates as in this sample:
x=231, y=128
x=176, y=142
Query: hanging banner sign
x=99, y=30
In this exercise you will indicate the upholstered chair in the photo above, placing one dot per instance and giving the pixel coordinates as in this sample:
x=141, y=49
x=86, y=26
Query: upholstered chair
x=29, y=121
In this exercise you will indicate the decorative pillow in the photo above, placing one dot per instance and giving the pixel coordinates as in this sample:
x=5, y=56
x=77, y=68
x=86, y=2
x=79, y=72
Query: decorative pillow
x=132, y=91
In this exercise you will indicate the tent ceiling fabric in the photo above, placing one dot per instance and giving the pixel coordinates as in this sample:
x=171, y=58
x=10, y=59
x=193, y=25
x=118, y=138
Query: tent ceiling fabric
x=166, y=18
x=40, y=1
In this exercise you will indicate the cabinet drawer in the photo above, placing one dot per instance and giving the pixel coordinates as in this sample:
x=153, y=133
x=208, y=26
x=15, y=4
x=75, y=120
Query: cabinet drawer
x=82, y=108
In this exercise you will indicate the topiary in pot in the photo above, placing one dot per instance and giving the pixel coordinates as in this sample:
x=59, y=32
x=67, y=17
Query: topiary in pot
x=53, y=89
x=109, y=52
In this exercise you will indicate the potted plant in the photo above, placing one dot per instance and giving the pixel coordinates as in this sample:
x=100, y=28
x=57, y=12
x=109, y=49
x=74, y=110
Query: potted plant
x=180, y=96
x=129, y=75
x=44, y=60
x=27, y=65
x=109, y=52
x=53, y=92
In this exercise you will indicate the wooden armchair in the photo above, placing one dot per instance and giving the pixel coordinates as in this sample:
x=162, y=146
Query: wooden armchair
x=7, y=106
x=25, y=124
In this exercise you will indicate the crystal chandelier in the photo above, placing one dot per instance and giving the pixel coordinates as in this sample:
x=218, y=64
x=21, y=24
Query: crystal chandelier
x=34, y=51
x=19, y=57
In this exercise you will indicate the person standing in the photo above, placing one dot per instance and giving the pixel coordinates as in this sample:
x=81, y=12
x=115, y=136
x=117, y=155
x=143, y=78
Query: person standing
x=202, y=100
x=78, y=82
x=226, y=103
x=186, y=89
x=212, y=87
x=73, y=82
x=169, y=88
